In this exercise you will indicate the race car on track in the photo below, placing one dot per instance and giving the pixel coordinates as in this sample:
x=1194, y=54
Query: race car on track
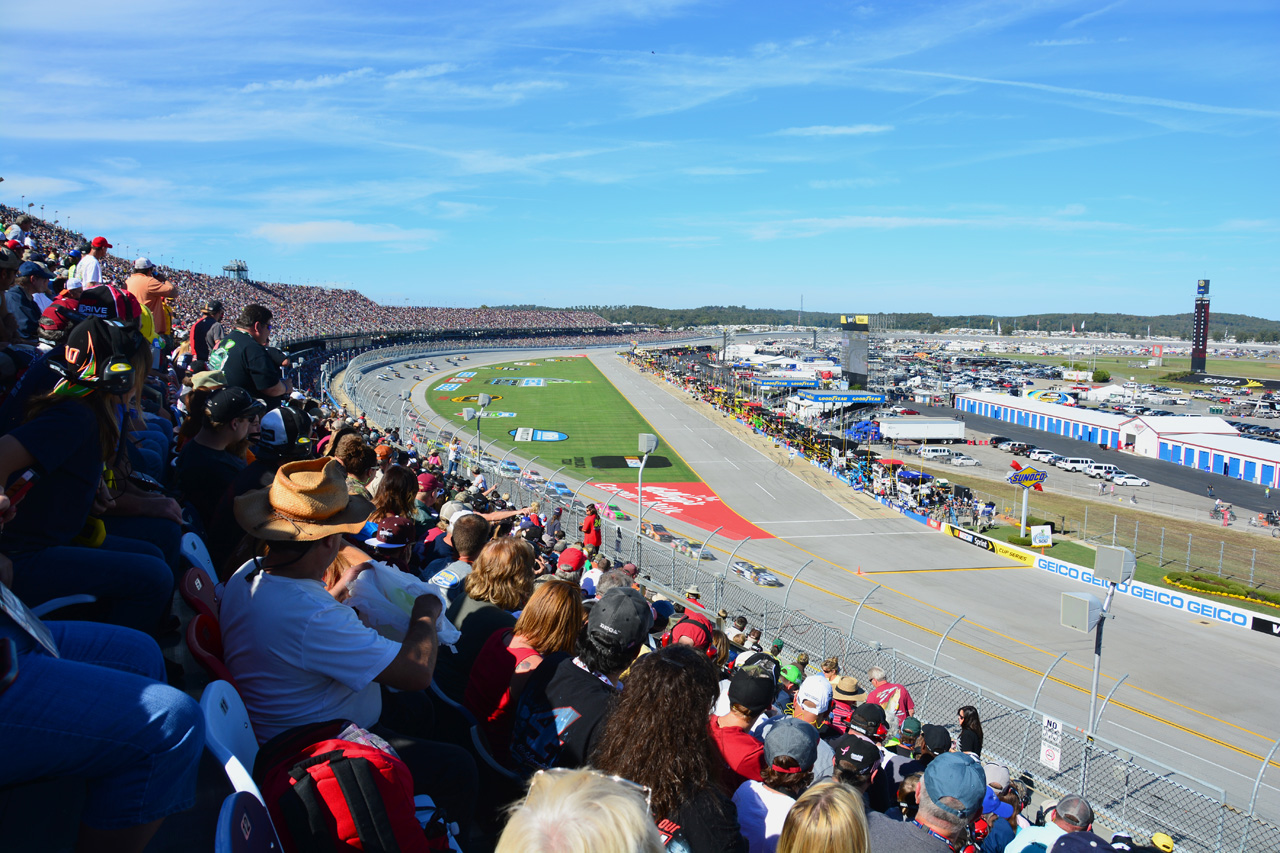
x=754, y=573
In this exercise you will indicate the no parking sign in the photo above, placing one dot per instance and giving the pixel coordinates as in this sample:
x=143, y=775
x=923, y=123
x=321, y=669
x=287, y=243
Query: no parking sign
x=1051, y=743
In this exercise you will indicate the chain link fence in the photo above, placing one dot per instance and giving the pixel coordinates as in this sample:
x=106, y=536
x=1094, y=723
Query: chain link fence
x=1127, y=791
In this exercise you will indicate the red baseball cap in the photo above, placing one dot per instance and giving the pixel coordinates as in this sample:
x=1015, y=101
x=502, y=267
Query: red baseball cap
x=426, y=482
x=101, y=243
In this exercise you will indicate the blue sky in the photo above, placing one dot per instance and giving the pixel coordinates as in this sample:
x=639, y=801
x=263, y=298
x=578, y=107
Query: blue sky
x=962, y=157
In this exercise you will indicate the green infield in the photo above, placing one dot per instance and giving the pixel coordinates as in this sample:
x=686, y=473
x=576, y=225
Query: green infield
x=562, y=410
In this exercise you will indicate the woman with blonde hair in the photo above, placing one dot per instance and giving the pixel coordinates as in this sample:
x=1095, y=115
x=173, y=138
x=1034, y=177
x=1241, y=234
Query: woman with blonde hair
x=827, y=818
x=550, y=622
x=580, y=811
x=498, y=585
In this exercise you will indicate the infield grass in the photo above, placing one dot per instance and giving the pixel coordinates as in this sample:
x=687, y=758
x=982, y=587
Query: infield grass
x=600, y=425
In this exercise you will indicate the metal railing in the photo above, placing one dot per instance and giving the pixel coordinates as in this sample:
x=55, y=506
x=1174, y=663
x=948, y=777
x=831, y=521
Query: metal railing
x=1126, y=790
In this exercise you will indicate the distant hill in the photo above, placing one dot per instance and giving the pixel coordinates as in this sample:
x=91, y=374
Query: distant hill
x=1241, y=326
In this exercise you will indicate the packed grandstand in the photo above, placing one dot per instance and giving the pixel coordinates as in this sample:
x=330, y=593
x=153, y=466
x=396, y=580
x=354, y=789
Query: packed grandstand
x=510, y=682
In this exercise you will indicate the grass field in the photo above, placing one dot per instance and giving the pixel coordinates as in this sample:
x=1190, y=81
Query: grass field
x=573, y=399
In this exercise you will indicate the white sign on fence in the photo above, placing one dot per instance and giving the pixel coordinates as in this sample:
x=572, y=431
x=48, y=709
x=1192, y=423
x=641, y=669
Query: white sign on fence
x=1051, y=743
x=1041, y=536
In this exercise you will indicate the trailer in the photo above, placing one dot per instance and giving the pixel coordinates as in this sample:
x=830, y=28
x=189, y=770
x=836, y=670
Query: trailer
x=931, y=430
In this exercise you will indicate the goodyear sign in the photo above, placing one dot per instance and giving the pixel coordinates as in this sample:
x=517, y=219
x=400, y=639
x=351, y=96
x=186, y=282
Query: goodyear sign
x=1028, y=478
x=863, y=397
x=786, y=383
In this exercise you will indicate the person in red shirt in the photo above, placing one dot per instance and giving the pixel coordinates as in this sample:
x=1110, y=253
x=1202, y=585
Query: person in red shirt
x=750, y=694
x=591, y=528
x=894, y=698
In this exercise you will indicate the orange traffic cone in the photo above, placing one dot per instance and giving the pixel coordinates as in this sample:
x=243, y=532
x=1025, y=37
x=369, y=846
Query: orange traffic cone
x=860, y=572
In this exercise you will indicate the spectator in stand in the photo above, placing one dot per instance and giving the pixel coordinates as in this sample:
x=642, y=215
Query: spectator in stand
x=657, y=737
x=811, y=706
x=549, y=623
x=88, y=702
x=358, y=460
x=298, y=656
x=70, y=433
x=385, y=459
x=591, y=528
x=751, y=690
x=563, y=708
x=831, y=669
x=894, y=698
x=970, y=730
x=845, y=696
x=1071, y=814
x=151, y=290
x=32, y=280
x=206, y=333
x=950, y=796
x=790, y=748
x=788, y=683
x=934, y=741
x=243, y=357
x=498, y=585
x=467, y=535
x=20, y=229
x=208, y=463
x=827, y=818
x=89, y=270
x=395, y=494
x=857, y=765
x=581, y=811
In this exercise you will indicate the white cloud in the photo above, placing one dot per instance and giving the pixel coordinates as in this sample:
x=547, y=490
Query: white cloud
x=850, y=183
x=425, y=71
x=39, y=187
x=1072, y=210
x=719, y=171
x=459, y=209
x=324, y=81
x=835, y=130
x=1089, y=16
x=337, y=231
x=1061, y=42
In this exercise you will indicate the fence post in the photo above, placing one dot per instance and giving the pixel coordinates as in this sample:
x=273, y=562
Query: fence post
x=933, y=667
x=791, y=585
x=1162, y=547
x=1253, y=560
x=1026, y=737
x=858, y=609
x=1189, y=535
x=1084, y=534
x=1222, y=546
x=1136, y=525
x=1253, y=798
x=1115, y=521
x=1105, y=700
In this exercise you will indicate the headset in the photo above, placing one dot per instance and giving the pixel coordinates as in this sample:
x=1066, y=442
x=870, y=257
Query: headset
x=702, y=623
x=114, y=377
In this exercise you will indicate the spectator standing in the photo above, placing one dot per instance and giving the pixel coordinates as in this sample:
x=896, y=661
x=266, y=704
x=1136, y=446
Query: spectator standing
x=242, y=356
x=790, y=748
x=950, y=796
x=828, y=818
x=656, y=737
x=205, y=334
x=89, y=270
x=591, y=528
x=970, y=730
x=151, y=291
x=32, y=279
x=20, y=229
x=561, y=713
x=750, y=695
x=1071, y=814
x=894, y=698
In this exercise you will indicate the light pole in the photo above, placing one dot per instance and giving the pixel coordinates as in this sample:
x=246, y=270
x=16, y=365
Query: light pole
x=483, y=401
x=1083, y=612
x=648, y=444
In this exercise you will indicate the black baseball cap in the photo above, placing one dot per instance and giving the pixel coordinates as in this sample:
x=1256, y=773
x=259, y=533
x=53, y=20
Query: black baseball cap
x=855, y=753
x=227, y=404
x=753, y=688
x=622, y=617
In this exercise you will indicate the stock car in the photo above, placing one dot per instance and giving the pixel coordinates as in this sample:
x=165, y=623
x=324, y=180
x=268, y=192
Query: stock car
x=508, y=468
x=655, y=531
x=754, y=573
x=533, y=478
x=561, y=490
x=610, y=511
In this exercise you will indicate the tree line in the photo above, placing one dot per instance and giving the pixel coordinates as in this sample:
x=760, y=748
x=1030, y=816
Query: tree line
x=1242, y=327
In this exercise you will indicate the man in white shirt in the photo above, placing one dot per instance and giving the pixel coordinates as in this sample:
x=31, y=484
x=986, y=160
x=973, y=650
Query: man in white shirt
x=299, y=656
x=89, y=270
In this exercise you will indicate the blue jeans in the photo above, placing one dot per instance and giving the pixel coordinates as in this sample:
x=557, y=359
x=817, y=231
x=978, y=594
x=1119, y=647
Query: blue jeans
x=129, y=575
x=101, y=712
x=161, y=532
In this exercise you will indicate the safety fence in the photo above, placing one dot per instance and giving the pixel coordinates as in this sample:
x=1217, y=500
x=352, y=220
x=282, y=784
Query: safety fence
x=1126, y=790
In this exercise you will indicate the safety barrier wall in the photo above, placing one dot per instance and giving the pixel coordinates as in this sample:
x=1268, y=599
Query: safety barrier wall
x=1127, y=791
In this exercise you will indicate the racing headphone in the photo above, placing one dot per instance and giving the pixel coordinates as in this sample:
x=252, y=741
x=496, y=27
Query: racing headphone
x=114, y=377
x=703, y=626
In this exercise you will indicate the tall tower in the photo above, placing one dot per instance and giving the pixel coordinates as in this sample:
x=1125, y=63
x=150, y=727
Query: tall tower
x=1200, y=328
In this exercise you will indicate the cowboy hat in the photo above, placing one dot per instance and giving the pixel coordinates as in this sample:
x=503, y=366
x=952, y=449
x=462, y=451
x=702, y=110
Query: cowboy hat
x=308, y=500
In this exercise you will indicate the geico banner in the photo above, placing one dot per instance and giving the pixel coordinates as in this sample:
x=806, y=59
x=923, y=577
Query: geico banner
x=1212, y=610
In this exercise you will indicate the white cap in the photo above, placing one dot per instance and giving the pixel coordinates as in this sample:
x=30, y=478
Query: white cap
x=457, y=515
x=74, y=284
x=297, y=395
x=143, y=264
x=814, y=694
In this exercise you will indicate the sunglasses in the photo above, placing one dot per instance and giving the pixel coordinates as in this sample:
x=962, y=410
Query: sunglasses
x=643, y=790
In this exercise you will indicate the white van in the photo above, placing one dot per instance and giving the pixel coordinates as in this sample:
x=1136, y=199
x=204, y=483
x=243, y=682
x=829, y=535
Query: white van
x=1101, y=470
x=1074, y=463
x=934, y=452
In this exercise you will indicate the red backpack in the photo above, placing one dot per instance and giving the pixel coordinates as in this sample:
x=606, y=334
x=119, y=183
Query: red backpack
x=328, y=794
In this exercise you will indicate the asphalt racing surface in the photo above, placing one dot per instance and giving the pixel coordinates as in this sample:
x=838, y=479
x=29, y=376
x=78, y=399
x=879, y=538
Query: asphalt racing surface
x=1199, y=697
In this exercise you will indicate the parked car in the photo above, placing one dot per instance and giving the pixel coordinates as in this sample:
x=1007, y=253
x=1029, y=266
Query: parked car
x=997, y=440
x=963, y=459
x=1123, y=479
x=1074, y=463
x=1042, y=455
x=754, y=573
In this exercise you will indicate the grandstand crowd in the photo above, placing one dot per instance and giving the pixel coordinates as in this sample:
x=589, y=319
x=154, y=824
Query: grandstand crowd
x=392, y=626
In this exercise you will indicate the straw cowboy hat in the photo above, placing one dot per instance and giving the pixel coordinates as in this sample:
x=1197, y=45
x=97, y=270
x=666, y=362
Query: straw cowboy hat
x=308, y=500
